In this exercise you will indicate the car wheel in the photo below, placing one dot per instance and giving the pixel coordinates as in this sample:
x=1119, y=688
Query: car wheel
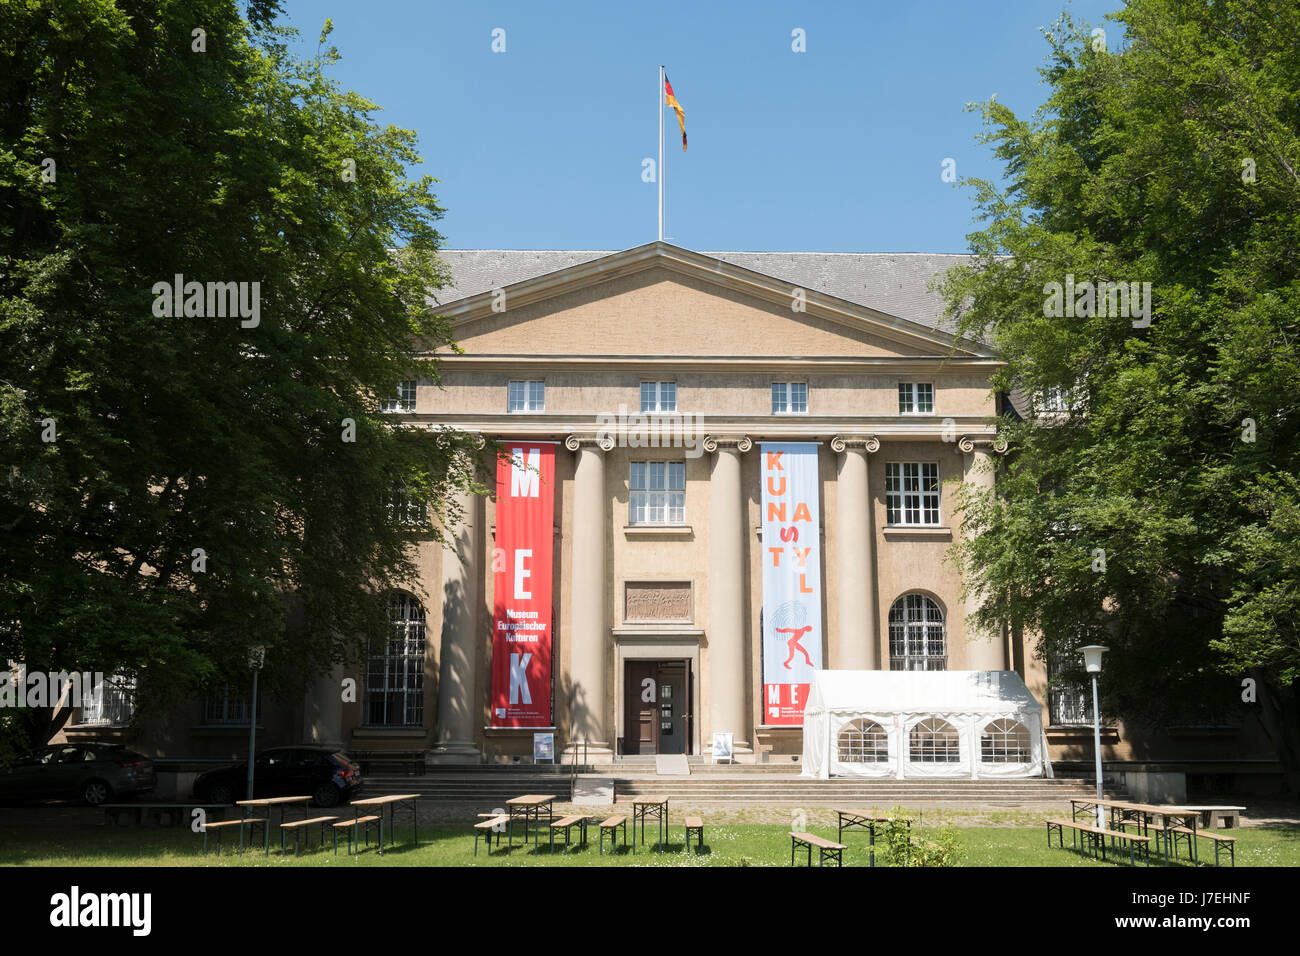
x=96, y=793
x=326, y=795
x=221, y=793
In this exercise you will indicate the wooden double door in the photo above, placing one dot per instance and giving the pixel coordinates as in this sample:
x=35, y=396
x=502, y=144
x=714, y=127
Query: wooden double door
x=657, y=707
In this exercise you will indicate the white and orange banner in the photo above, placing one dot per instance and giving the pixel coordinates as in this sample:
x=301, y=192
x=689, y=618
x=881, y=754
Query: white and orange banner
x=521, y=620
x=792, y=579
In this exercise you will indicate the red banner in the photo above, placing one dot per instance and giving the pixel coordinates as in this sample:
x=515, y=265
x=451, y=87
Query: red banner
x=521, y=620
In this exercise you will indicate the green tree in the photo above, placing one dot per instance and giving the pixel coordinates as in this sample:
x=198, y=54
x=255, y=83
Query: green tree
x=171, y=479
x=1159, y=512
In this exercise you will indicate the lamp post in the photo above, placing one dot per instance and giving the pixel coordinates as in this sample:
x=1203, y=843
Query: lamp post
x=1092, y=661
x=256, y=658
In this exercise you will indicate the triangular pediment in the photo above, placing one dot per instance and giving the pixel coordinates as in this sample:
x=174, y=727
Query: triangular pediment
x=660, y=300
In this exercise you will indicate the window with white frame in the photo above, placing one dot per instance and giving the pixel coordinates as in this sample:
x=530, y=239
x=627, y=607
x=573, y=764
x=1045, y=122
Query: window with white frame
x=657, y=493
x=916, y=635
x=395, y=668
x=912, y=492
x=405, y=401
x=863, y=741
x=1069, y=694
x=226, y=705
x=525, y=397
x=1005, y=741
x=109, y=704
x=915, y=398
x=934, y=740
x=404, y=508
x=658, y=396
x=789, y=398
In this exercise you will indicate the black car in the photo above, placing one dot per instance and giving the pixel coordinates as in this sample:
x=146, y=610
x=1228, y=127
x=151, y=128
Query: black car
x=325, y=775
x=93, y=772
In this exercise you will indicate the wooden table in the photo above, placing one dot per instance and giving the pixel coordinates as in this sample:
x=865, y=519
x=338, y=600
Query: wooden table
x=390, y=802
x=528, y=807
x=643, y=807
x=1124, y=811
x=851, y=818
x=278, y=803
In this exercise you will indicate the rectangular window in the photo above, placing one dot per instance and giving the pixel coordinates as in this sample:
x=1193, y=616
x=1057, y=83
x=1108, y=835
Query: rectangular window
x=912, y=492
x=405, y=401
x=111, y=704
x=657, y=493
x=789, y=398
x=225, y=705
x=1069, y=693
x=526, y=397
x=658, y=396
x=915, y=398
x=404, y=508
x=395, y=669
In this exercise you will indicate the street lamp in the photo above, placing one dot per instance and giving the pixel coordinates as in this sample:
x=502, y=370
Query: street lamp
x=256, y=658
x=1092, y=661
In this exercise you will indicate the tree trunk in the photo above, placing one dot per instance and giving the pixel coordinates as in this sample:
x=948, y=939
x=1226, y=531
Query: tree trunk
x=1279, y=712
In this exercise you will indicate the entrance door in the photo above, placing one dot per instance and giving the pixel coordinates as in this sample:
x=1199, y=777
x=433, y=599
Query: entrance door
x=657, y=712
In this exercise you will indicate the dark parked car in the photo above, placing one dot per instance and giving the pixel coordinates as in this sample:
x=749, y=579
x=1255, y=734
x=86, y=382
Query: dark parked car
x=93, y=772
x=326, y=775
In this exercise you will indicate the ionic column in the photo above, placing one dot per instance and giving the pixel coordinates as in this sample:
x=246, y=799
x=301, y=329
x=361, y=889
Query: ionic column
x=858, y=647
x=323, y=720
x=458, y=666
x=984, y=652
x=728, y=676
x=587, y=629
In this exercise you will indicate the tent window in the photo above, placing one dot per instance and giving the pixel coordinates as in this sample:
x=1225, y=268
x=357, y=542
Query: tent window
x=864, y=741
x=935, y=741
x=916, y=638
x=1005, y=741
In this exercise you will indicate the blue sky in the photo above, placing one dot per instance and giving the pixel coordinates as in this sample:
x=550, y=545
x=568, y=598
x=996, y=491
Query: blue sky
x=836, y=149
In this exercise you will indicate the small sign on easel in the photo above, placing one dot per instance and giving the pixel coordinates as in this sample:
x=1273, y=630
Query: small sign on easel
x=722, y=744
x=544, y=748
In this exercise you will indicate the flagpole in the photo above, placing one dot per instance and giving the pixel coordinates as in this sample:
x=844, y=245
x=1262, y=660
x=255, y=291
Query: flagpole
x=660, y=176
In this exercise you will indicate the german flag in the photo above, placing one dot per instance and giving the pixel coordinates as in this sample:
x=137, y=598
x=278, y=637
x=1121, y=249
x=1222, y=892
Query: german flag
x=677, y=108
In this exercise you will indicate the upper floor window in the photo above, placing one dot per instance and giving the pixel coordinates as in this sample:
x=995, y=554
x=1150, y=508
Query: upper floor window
x=527, y=397
x=657, y=493
x=404, y=508
x=789, y=398
x=912, y=492
x=658, y=396
x=405, y=401
x=915, y=398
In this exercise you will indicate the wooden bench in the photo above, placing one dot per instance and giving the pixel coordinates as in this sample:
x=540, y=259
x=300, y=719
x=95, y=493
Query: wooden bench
x=349, y=829
x=297, y=827
x=493, y=823
x=1096, y=837
x=412, y=760
x=611, y=824
x=694, y=825
x=1217, y=839
x=826, y=849
x=566, y=824
x=220, y=826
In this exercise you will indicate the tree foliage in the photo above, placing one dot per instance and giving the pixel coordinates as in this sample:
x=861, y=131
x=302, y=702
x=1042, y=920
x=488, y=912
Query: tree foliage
x=220, y=158
x=1159, y=513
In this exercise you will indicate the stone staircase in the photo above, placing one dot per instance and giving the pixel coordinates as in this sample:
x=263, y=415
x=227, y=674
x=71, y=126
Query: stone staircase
x=747, y=785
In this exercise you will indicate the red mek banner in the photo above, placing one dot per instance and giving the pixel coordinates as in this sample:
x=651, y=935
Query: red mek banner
x=521, y=619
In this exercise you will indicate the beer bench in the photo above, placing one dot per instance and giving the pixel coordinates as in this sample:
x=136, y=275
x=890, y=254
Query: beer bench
x=1216, y=838
x=612, y=824
x=694, y=825
x=1096, y=837
x=826, y=849
x=219, y=827
x=349, y=829
x=567, y=824
x=297, y=827
x=493, y=822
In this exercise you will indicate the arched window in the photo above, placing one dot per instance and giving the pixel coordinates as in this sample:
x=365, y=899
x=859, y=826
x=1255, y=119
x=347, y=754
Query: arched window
x=916, y=640
x=934, y=741
x=1005, y=741
x=863, y=741
x=395, y=668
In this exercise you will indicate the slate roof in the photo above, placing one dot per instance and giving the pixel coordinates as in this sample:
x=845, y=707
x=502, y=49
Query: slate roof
x=895, y=283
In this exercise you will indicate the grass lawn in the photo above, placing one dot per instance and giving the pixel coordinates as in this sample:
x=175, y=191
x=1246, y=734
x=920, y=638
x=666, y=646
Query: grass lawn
x=725, y=845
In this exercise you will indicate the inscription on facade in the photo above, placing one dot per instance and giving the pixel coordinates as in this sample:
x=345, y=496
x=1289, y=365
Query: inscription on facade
x=657, y=601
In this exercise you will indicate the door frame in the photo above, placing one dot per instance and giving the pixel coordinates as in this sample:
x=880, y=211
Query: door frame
x=656, y=645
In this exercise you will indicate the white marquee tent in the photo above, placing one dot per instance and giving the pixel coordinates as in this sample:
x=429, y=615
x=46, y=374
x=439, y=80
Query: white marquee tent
x=922, y=724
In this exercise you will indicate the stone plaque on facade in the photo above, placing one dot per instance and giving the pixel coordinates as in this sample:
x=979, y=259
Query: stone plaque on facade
x=657, y=601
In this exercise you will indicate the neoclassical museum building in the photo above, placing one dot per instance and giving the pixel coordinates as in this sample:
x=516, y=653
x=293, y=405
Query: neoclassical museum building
x=731, y=469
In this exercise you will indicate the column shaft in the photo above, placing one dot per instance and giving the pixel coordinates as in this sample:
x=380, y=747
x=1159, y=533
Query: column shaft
x=728, y=676
x=458, y=671
x=983, y=652
x=858, y=647
x=587, y=614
